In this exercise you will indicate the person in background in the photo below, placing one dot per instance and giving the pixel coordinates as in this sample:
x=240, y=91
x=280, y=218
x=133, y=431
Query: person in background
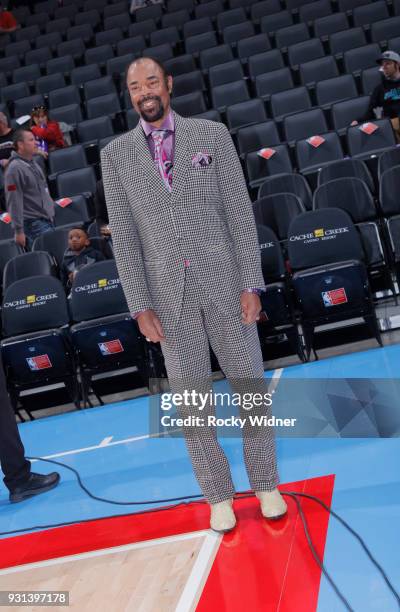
x=101, y=210
x=6, y=148
x=21, y=482
x=27, y=195
x=385, y=99
x=6, y=141
x=80, y=253
x=8, y=23
x=48, y=133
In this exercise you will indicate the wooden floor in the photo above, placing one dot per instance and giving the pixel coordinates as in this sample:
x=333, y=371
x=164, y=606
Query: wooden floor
x=145, y=577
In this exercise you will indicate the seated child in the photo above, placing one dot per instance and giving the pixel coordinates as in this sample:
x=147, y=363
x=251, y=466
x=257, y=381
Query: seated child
x=78, y=254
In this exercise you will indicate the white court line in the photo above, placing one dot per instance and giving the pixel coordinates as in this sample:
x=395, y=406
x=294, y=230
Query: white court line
x=105, y=443
x=107, y=551
x=275, y=380
x=200, y=570
x=76, y=451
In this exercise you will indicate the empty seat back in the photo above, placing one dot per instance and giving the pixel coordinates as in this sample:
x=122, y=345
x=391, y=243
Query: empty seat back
x=97, y=292
x=277, y=212
x=288, y=183
x=348, y=193
x=344, y=168
x=388, y=159
x=75, y=210
x=272, y=263
x=26, y=265
x=76, y=182
x=314, y=152
x=69, y=158
x=305, y=125
x=34, y=303
x=389, y=190
x=322, y=237
x=362, y=141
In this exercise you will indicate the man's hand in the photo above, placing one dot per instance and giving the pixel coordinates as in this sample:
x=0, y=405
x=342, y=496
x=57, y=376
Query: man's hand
x=354, y=122
x=150, y=326
x=250, y=304
x=20, y=239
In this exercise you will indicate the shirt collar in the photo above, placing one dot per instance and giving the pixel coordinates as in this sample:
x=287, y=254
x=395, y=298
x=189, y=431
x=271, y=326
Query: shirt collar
x=15, y=155
x=167, y=124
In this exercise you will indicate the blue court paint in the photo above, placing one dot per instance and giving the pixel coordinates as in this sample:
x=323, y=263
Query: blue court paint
x=377, y=362
x=367, y=491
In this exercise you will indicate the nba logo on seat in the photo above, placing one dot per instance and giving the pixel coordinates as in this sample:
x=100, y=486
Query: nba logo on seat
x=334, y=297
x=111, y=347
x=40, y=362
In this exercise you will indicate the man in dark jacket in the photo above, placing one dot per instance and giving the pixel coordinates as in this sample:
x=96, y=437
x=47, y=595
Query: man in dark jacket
x=385, y=99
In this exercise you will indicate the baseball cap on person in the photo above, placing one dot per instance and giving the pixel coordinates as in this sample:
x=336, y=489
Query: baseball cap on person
x=390, y=56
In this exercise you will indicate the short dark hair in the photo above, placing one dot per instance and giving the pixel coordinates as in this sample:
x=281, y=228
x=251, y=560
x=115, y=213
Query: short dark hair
x=83, y=229
x=138, y=60
x=18, y=136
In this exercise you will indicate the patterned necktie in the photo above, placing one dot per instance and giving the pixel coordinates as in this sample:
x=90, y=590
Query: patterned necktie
x=160, y=158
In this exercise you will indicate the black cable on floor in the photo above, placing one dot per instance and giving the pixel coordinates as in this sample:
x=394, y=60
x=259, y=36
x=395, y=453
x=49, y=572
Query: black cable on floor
x=109, y=501
x=359, y=538
x=315, y=554
x=183, y=501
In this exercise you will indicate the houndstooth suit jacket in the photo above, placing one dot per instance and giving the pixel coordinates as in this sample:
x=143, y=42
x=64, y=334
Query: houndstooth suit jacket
x=206, y=219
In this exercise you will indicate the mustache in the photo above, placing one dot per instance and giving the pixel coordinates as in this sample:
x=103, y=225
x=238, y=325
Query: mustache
x=150, y=98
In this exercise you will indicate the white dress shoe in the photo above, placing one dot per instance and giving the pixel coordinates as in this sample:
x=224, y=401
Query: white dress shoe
x=222, y=516
x=273, y=506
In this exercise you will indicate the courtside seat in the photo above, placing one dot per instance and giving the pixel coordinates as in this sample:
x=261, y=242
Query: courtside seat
x=28, y=264
x=330, y=278
x=36, y=348
x=278, y=315
x=105, y=336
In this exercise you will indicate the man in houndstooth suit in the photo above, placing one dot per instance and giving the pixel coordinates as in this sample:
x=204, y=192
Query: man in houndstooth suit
x=186, y=248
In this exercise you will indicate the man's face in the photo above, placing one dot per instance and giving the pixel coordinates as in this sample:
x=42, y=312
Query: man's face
x=389, y=68
x=28, y=147
x=149, y=90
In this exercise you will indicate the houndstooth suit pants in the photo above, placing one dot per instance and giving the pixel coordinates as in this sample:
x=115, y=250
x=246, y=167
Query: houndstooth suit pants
x=187, y=360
